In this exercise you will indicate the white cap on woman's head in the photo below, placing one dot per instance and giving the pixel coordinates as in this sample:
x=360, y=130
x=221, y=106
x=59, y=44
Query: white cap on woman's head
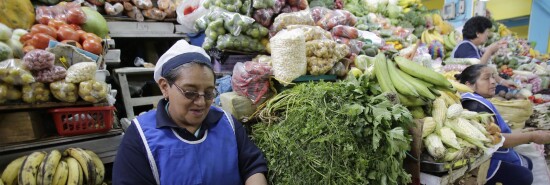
x=178, y=50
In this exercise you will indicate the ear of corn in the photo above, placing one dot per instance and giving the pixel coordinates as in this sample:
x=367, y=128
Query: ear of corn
x=454, y=154
x=479, y=127
x=448, y=100
x=469, y=115
x=454, y=111
x=460, y=87
x=428, y=126
x=434, y=146
x=448, y=137
x=467, y=131
x=439, y=111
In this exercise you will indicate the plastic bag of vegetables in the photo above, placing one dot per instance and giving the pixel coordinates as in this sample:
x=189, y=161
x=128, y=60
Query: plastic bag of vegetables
x=320, y=48
x=318, y=12
x=232, y=22
x=335, y=18
x=14, y=93
x=239, y=43
x=80, y=72
x=35, y=92
x=214, y=29
x=295, y=18
x=251, y=79
x=264, y=16
x=39, y=59
x=312, y=32
x=345, y=31
x=257, y=31
x=64, y=91
x=51, y=75
x=93, y=91
x=12, y=71
x=259, y=4
x=319, y=66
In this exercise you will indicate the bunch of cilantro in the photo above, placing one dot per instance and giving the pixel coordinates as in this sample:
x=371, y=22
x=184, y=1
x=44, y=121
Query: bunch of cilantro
x=346, y=132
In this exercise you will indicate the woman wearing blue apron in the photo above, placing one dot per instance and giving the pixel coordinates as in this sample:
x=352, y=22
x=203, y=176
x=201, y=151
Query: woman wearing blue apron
x=475, y=33
x=507, y=166
x=186, y=141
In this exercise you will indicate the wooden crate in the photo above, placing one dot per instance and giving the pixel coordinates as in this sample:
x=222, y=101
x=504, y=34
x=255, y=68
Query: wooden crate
x=21, y=126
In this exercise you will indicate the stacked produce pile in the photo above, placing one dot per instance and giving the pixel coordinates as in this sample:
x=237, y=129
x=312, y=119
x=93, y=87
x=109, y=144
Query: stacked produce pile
x=73, y=166
x=138, y=9
x=357, y=134
x=540, y=117
x=453, y=133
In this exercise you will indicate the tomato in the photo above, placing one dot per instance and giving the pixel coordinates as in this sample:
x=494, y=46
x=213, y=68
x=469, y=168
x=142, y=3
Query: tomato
x=188, y=10
x=76, y=16
x=61, y=17
x=55, y=24
x=67, y=33
x=40, y=28
x=40, y=40
x=72, y=43
x=76, y=27
x=92, y=46
x=25, y=37
x=87, y=36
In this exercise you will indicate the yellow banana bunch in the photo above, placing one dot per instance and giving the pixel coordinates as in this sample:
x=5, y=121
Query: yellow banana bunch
x=430, y=35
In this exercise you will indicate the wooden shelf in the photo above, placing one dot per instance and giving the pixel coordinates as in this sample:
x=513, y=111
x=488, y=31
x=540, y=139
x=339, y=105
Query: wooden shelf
x=104, y=145
x=45, y=105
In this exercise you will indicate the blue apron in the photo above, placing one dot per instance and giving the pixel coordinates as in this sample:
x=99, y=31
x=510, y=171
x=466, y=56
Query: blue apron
x=467, y=42
x=211, y=160
x=502, y=154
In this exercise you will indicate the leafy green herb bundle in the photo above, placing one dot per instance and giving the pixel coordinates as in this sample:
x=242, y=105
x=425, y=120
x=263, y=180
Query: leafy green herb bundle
x=346, y=132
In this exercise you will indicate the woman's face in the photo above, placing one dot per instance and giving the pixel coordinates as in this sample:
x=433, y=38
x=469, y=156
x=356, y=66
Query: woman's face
x=483, y=37
x=485, y=84
x=186, y=111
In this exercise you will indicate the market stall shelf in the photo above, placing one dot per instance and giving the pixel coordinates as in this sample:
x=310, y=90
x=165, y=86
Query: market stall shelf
x=45, y=105
x=104, y=144
x=129, y=102
x=120, y=29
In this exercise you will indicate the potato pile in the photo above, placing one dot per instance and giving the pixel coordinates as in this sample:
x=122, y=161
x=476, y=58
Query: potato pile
x=323, y=54
x=93, y=91
x=81, y=72
x=13, y=72
x=64, y=91
x=36, y=92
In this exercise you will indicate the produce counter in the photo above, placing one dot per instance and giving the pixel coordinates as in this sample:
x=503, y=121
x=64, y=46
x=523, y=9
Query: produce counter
x=478, y=167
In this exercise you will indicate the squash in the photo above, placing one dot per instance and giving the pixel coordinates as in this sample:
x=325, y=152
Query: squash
x=17, y=13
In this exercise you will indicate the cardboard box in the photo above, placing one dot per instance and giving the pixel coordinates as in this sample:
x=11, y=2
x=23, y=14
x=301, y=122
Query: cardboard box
x=21, y=126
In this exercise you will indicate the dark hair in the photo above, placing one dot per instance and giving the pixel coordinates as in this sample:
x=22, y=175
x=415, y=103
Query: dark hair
x=174, y=73
x=474, y=25
x=470, y=74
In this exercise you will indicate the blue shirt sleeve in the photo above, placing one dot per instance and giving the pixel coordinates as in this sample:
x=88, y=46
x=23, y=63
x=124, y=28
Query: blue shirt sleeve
x=251, y=158
x=466, y=50
x=131, y=164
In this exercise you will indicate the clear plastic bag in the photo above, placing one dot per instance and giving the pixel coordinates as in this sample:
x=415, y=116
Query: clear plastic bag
x=64, y=91
x=296, y=18
x=233, y=22
x=335, y=18
x=251, y=79
x=341, y=51
x=143, y=4
x=135, y=13
x=187, y=19
x=262, y=59
x=39, y=59
x=93, y=91
x=51, y=75
x=318, y=13
x=36, y=92
x=14, y=93
x=319, y=66
x=239, y=43
x=320, y=48
x=80, y=72
x=279, y=4
x=60, y=12
x=201, y=23
x=257, y=31
x=260, y=4
x=345, y=31
x=154, y=13
x=338, y=69
x=247, y=9
x=12, y=71
x=264, y=16
x=312, y=32
x=288, y=53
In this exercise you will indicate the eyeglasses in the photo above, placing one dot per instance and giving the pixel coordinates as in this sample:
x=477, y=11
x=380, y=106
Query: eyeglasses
x=192, y=95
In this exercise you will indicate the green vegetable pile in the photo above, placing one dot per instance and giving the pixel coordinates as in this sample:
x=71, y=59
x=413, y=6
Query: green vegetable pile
x=346, y=132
